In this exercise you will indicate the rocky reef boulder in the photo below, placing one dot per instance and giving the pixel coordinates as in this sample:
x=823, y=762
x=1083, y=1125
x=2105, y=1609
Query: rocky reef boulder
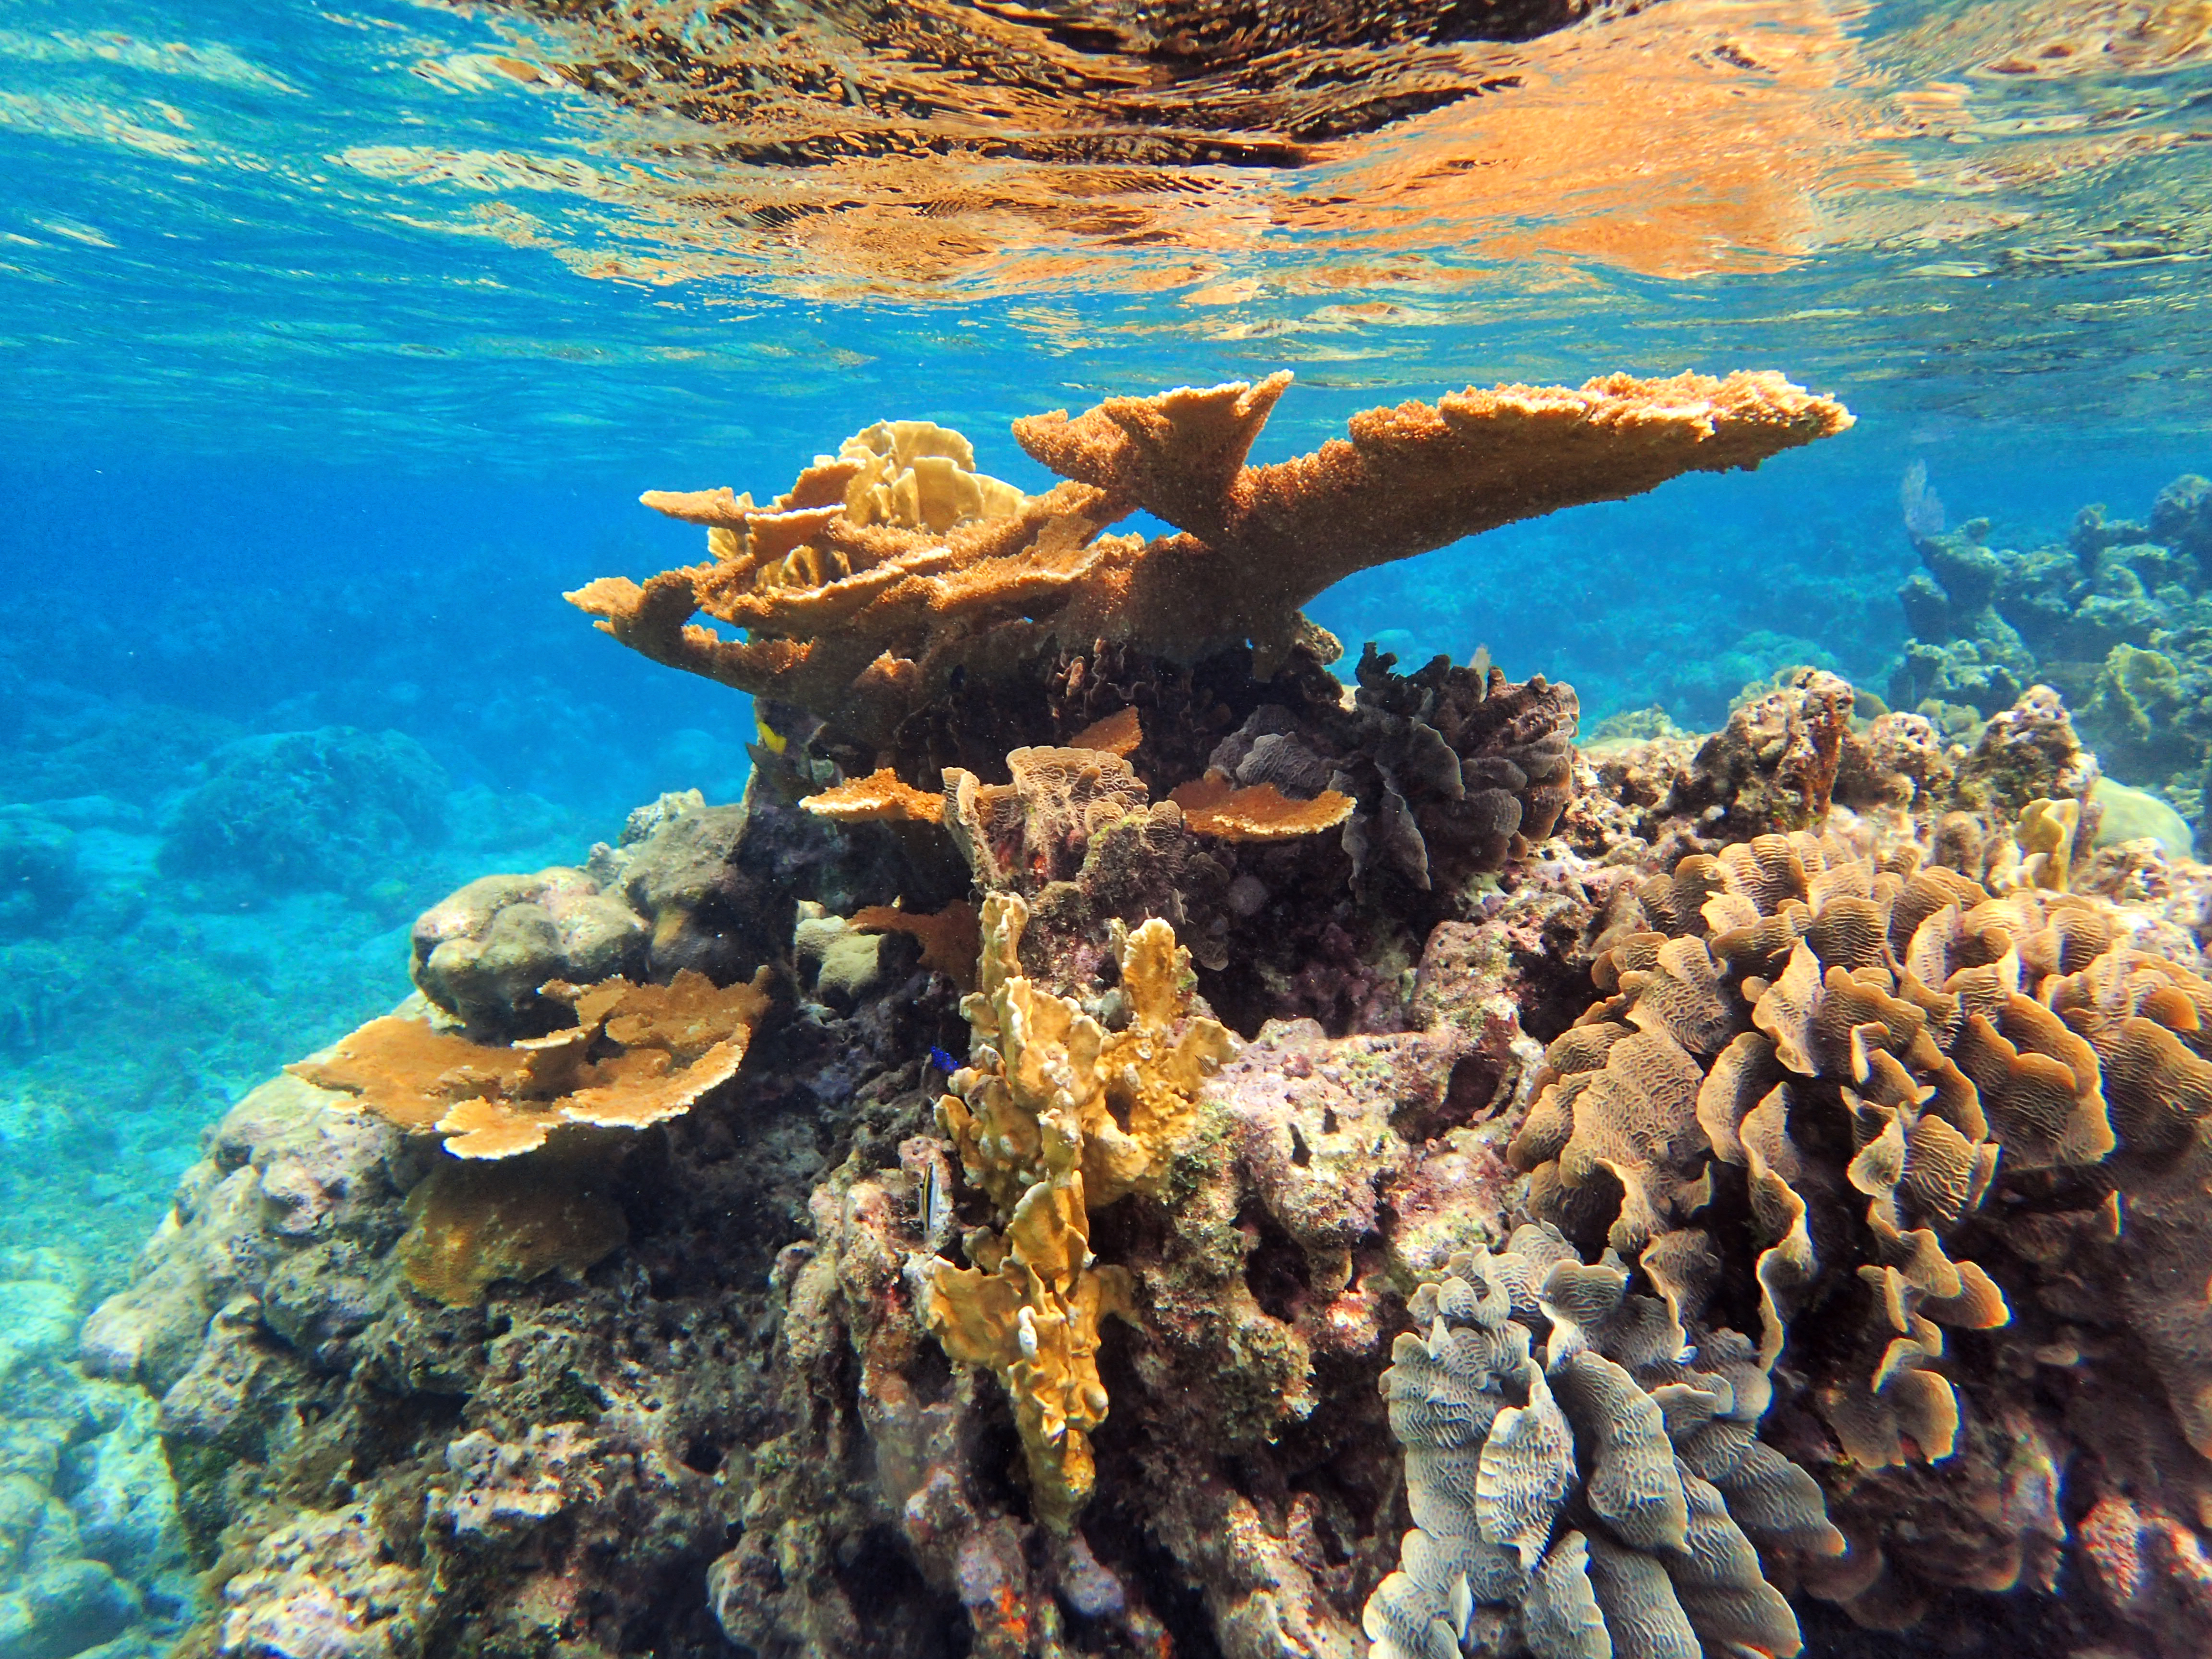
x=39, y=878
x=91, y=1552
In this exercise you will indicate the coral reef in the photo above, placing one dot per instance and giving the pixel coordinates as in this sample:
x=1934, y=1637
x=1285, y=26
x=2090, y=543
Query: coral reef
x=375, y=1473
x=2116, y=618
x=307, y=809
x=1644, y=1436
x=278, y=1320
x=1081, y=1353
x=866, y=619
x=1408, y=1182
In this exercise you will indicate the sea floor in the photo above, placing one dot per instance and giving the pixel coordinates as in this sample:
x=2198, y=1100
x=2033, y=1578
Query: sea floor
x=188, y=904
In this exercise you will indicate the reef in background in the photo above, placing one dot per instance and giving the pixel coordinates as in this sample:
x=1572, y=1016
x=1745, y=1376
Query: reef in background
x=2117, y=618
x=200, y=906
x=972, y=1195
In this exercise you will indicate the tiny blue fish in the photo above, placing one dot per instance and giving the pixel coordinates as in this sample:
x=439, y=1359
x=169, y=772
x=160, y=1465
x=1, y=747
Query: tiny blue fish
x=943, y=1061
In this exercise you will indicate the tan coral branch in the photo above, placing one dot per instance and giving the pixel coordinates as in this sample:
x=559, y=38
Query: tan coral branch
x=892, y=567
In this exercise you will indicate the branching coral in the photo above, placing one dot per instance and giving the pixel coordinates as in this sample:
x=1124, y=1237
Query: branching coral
x=1604, y=1499
x=1260, y=542
x=883, y=571
x=1058, y=1117
x=637, y=1055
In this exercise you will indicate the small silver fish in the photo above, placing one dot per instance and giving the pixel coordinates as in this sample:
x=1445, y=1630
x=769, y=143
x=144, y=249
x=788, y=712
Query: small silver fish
x=936, y=1207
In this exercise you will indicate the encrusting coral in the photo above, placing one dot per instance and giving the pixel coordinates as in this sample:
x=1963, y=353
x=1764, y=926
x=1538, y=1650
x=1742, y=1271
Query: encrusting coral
x=892, y=567
x=471, y=1225
x=1603, y=1498
x=1056, y=1117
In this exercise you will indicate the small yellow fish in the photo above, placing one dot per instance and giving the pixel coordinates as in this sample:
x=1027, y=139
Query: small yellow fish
x=773, y=740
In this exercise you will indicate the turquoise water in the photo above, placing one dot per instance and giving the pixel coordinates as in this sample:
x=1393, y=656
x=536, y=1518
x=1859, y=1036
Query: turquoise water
x=339, y=340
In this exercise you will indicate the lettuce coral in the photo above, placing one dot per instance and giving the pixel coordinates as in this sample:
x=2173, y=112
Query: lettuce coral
x=1451, y=769
x=865, y=589
x=1908, y=1108
x=1610, y=1497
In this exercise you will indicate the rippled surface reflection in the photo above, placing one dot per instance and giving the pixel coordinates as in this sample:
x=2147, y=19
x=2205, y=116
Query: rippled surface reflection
x=1998, y=200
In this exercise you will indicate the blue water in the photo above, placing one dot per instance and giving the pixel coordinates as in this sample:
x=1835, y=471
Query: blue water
x=334, y=352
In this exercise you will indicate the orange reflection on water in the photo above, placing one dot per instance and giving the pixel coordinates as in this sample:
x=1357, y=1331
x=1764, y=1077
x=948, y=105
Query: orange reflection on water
x=1700, y=135
x=980, y=151
x=940, y=148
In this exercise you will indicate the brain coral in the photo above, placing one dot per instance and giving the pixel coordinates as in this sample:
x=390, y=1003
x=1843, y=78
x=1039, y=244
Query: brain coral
x=1605, y=1498
x=889, y=569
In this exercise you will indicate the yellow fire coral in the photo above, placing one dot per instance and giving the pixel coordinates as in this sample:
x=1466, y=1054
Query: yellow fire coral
x=1213, y=806
x=879, y=798
x=1058, y=1117
x=638, y=1055
x=888, y=568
